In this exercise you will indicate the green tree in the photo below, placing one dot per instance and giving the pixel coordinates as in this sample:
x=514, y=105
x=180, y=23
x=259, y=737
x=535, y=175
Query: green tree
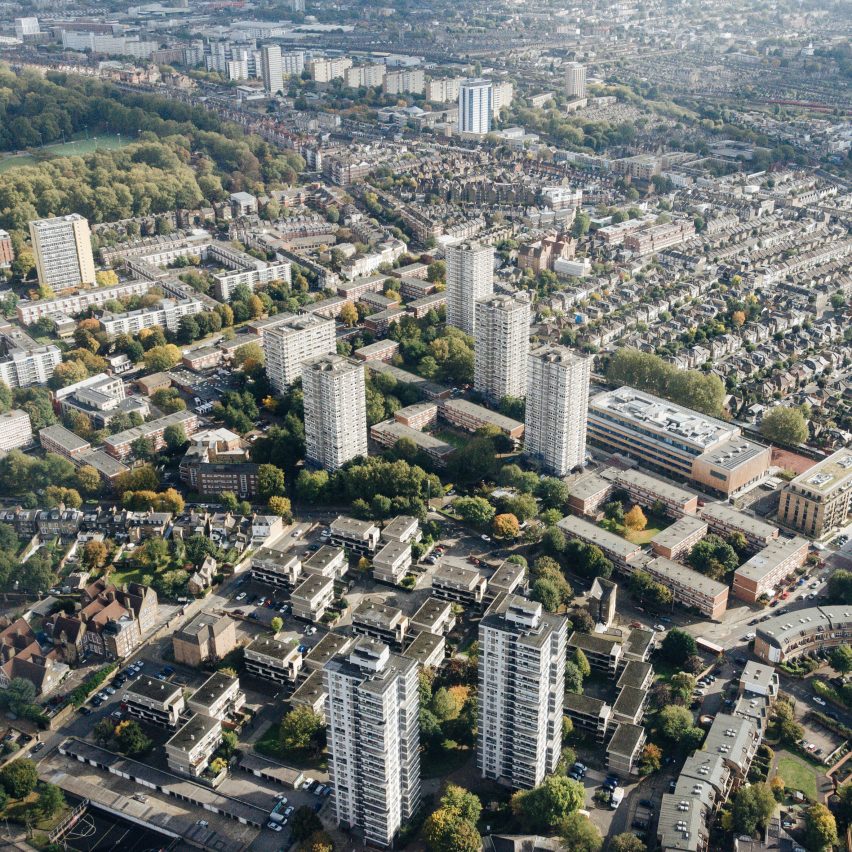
x=573, y=678
x=582, y=663
x=676, y=725
x=839, y=586
x=304, y=823
x=446, y=831
x=19, y=778
x=474, y=510
x=841, y=659
x=158, y=359
x=280, y=506
x=276, y=624
x=19, y=693
x=678, y=647
x=143, y=448
x=581, y=225
x=545, y=592
x=580, y=834
x=229, y=744
x=552, y=492
x=248, y=355
x=752, y=807
x=682, y=684
x=51, y=800
x=549, y=804
x=783, y=425
x=301, y=729
x=130, y=738
x=713, y=556
x=174, y=436
x=270, y=481
x=465, y=803
x=627, y=842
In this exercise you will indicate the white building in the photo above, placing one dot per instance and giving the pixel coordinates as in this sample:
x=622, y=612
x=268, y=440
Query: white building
x=364, y=75
x=26, y=27
x=372, y=714
x=501, y=97
x=23, y=367
x=444, y=91
x=557, y=403
x=521, y=687
x=167, y=315
x=62, y=248
x=326, y=70
x=271, y=67
x=470, y=277
x=335, y=410
x=405, y=80
x=502, y=346
x=476, y=100
x=15, y=430
x=293, y=63
x=295, y=339
x=575, y=80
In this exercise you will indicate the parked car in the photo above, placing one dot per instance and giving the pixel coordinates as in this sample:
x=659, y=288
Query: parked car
x=38, y=747
x=820, y=701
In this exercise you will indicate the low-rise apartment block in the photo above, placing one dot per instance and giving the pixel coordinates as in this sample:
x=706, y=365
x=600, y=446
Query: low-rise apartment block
x=624, y=749
x=648, y=491
x=765, y=570
x=588, y=714
x=327, y=561
x=617, y=549
x=312, y=597
x=206, y=638
x=219, y=697
x=469, y=416
x=15, y=430
x=385, y=623
x=391, y=563
x=190, y=749
x=157, y=702
x=604, y=653
x=678, y=539
x=459, y=584
x=434, y=616
x=119, y=445
x=725, y=520
x=268, y=659
x=352, y=534
x=819, y=499
x=688, y=587
x=276, y=568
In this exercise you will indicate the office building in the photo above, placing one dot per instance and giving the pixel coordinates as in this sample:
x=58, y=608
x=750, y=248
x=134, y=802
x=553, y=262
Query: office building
x=821, y=497
x=470, y=277
x=372, y=715
x=521, y=688
x=575, y=80
x=295, y=339
x=502, y=346
x=62, y=248
x=271, y=68
x=676, y=440
x=476, y=98
x=15, y=430
x=335, y=410
x=557, y=401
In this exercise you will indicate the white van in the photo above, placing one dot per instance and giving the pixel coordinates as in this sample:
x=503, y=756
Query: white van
x=617, y=796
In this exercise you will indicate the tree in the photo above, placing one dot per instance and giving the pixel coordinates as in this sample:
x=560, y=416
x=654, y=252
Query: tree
x=580, y=834
x=88, y=480
x=678, y=646
x=130, y=738
x=51, y=799
x=841, y=659
x=280, y=506
x=168, y=400
x=158, y=359
x=229, y=743
x=506, y=526
x=19, y=778
x=446, y=831
x=301, y=729
x=676, y=725
x=626, y=842
x=820, y=828
x=573, y=678
x=713, y=556
x=270, y=481
x=348, y=314
x=143, y=448
x=444, y=705
x=552, y=492
x=839, y=586
x=276, y=624
x=582, y=663
x=651, y=760
x=304, y=823
x=174, y=436
x=753, y=805
x=783, y=425
x=581, y=225
x=682, y=684
x=545, y=592
x=19, y=693
x=465, y=803
x=635, y=519
x=474, y=510
x=549, y=804
x=95, y=554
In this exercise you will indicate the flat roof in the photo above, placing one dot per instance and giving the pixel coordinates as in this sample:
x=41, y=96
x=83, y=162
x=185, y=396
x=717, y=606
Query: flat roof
x=607, y=541
x=329, y=646
x=663, y=489
x=730, y=736
x=423, y=440
x=593, y=642
x=424, y=646
x=399, y=525
x=152, y=689
x=695, y=580
x=352, y=526
x=457, y=576
x=322, y=558
x=64, y=437
x=680, y=530
x=378, y=346
x=378, y=615
x=193, y=731
x=768, y=559
x=635, y=673
x=734, y=453
x=782, y=629
x=588, y=485
x=757, y=674
x=826, y=476
x=582, y=703
x=626, y=738
x=471, y=409
x=648, y=412
x=158, y=425
x=312, y=585
x=213, y=688
x=431, y=611
x=726, y=514
x=274, y=648
x=629, y=700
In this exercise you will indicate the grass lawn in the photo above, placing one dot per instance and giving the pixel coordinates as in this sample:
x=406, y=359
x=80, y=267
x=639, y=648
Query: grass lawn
x=67, y=149
x=127, y=575
x=797, y=774
x=656, y=523
x=450, y=437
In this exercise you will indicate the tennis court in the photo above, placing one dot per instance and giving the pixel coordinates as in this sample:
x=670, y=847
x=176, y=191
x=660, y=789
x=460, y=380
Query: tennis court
x=99, y=832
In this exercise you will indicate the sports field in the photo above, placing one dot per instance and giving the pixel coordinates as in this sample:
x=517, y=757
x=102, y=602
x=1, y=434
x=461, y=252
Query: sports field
x=66, y=149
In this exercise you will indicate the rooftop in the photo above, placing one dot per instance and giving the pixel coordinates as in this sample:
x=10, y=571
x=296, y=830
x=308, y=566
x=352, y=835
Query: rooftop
x=423, y=646
x=153, y=690
x=213, y=688
x=682, y=575
x=585, y=704
x=377, y=615
x=270, y=647
x=770, y=557
x=626, y=739
x=195, y=730
x=592, y=533
x=726, y=514
x=680, y=530
x=827, y=476
x=665, y=490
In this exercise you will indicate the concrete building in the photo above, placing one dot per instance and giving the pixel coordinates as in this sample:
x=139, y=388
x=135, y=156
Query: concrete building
x=557, y=401
x=604, y=653
x=819, y=499
x=471, y=417
x=57, y=439
x=688, y=587
x=312, y=597
x=120, y=445
x=219, y=697
x=679, y=538
x=476, y=106
x=372, y=715
x=206, y=638
x=676, y=440
x=470, y=277
x=625, y=749
x=588, y=714
x=272, y=69
x=650, y=491
x=190, y=749
x=272, y=660
x=156, y=702
x=62, y=248
x=7, y=253
x=335, y=410
x=404, y=81
x=292, y=341
x=386, y=624
x=521, y=688
x=15, y=430
x=765, y=570
x=724, y=519
x=617, y=549
x=326, y=70
x=575, y=80
x=790, y=635
x=502, y=344
x=391, y=563
x=352, y=534
x=364, y=76
x=459, y=584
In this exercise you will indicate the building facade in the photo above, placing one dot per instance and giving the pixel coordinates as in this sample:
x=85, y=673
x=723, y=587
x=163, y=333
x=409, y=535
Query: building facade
x=502, y=346
x=476, y=98
x=296, y=339
x=821, y=498
x=62, y=248
x=470, y=277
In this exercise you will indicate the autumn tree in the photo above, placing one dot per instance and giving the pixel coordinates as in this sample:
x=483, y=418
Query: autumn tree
x=301, y=730
x=635, y=519
x=820, y=828
x=348, y=315
x=506, y=526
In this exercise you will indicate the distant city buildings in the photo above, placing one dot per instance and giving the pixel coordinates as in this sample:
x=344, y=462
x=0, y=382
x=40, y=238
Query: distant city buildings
x=372, y=717
x=272, y=68
x=335, y=410
x=62, y=248
x=502, y=334
x=557, y=403
x=476, y=106
x=521, y=687
x=575, y=80
x=470, y=277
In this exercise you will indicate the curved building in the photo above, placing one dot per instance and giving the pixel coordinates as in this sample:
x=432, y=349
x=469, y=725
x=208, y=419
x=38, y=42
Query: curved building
x=795, y=633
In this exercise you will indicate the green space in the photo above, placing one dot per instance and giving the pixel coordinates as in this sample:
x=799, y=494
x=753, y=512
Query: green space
x=656, y=524
x=450, y=436
x=76, y=148
x=797, y=774
x=440, y=761
x=270, y=745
